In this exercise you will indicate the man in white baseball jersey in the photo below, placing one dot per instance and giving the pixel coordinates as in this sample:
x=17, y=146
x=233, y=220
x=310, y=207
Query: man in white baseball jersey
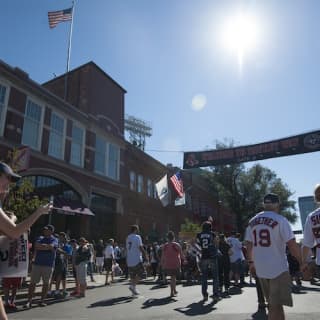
x=135, y=250
x=311, y=233
x=267, y=235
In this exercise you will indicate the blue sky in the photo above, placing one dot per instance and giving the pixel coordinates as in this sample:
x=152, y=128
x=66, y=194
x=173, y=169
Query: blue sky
x=167, y=52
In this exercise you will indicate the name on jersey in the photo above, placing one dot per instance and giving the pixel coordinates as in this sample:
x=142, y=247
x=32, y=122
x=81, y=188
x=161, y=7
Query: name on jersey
x=264, y=220
x=315, y=219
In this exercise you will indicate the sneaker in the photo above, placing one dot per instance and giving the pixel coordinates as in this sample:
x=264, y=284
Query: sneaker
x=134, y=291
x=205, y=297
x=42, y=304
x=74, y=293
x=57, y=295
x=28, y=305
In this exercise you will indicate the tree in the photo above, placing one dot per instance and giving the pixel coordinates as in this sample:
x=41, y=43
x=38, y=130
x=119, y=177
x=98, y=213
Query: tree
x=189, y=226
x=242, y=189
x=21, y=198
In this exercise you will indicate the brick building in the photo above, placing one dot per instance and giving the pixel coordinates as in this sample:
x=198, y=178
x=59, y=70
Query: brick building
x=75, y=150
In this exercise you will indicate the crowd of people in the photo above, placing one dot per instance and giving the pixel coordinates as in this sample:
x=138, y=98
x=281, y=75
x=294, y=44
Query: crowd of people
x=268, y=253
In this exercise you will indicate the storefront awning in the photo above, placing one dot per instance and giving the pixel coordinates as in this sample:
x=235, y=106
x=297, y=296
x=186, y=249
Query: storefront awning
x=71, y=207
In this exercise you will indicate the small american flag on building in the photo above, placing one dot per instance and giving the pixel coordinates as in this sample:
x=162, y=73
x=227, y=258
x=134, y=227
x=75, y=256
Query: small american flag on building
x=176, y=181
x=56, y=17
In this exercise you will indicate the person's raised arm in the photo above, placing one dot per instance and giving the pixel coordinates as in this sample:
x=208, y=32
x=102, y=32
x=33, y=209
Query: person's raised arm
x=14, y=231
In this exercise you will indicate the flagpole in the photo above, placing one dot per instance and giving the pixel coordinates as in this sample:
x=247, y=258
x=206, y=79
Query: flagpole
x=69, y=53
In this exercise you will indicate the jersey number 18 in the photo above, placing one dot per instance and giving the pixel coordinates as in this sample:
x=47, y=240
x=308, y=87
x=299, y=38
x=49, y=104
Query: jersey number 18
x=261, y=238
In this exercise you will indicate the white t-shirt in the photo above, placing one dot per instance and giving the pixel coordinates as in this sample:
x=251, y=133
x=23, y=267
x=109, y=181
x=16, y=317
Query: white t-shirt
x=311, y=233
x=269, y=233
x=134, y=255
x=108, y=252
x=236, y=247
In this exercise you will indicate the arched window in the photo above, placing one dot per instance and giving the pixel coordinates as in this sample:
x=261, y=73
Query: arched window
x=45, y=186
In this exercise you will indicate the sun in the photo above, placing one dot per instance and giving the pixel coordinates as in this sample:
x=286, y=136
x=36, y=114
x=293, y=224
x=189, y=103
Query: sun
x=240, y=35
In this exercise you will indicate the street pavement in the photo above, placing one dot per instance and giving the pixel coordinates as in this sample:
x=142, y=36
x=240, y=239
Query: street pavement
x=116, y=302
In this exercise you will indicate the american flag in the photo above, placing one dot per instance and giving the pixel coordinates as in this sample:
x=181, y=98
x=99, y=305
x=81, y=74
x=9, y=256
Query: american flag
x=176, y=181
x=59, y=16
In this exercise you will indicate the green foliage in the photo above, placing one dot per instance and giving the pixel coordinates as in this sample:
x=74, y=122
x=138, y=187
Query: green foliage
x=189, y=226
x=21, y=199
x=242, y=190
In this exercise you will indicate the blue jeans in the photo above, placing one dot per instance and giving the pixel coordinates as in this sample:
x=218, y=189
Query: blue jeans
x=205, y=265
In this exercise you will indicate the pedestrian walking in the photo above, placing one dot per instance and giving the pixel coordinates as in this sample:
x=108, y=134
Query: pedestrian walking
x=311, y=234
x=267, y=236
x=109, y=261
x=208, y=242
x=135, y=255
x=171, y=261
x=224, y=264
x=236, y=257
x=99, y=248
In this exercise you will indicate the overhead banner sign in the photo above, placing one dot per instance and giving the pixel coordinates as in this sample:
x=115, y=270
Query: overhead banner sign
x=303, y=143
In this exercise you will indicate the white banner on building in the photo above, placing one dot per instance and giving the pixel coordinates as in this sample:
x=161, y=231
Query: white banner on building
x=162, y=191
x=180, y=201
x=14, y=257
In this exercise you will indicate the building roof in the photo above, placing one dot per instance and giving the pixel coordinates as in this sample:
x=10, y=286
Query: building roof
x=91, y=64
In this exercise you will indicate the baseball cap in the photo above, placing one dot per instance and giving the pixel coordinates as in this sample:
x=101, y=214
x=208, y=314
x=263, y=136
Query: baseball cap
x=271, y=198
x=4, y=168
x=49, y=227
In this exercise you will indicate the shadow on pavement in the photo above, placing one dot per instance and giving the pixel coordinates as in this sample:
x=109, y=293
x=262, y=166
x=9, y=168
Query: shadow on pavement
x=35, y=304
x=196, y=308
x=112, y=302
x=157, y=302
x=235, y=290
x=310, y=289
x=159, y=286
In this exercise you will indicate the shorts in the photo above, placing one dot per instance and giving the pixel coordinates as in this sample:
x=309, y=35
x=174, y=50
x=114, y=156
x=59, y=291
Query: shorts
x=60, y=271
x=108, y=264
x=236, y=266
x=38, y=272
x=172, y=272
x=11, y=282
x=278, y=290
x=137, y=270
x=81, y=273
x=99, y=261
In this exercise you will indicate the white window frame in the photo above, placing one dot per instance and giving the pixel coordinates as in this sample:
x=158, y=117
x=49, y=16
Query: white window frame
x=107, y=161
x=77, y=124
x=149, y=188
x=40, y=133
x=140, y=183
x=106, y=155
x=63, y=134
x=132, y=184
x=155, y=194
x=5, y=106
